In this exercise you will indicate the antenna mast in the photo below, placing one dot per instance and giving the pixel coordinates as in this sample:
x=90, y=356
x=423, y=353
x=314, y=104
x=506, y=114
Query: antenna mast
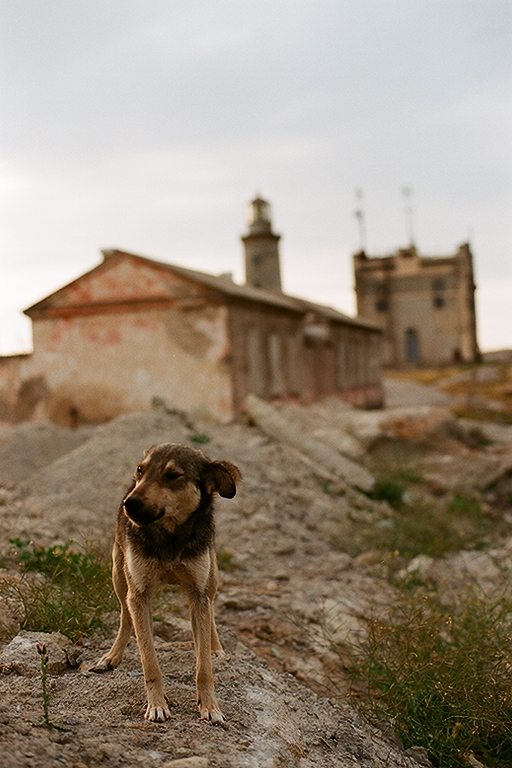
x=407, y=196
x=359, y=214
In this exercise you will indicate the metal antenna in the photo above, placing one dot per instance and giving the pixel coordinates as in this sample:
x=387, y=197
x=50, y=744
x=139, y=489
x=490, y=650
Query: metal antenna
x=359, y=214
x=407, y=195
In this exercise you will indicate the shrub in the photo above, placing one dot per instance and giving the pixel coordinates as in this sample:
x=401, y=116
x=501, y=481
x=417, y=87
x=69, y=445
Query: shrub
x=390, y=491
x=417, y=526
x=62, y=589
x=443, y=679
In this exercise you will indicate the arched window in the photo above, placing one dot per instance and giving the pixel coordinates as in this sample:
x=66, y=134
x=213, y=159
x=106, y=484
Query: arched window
x=412, y=346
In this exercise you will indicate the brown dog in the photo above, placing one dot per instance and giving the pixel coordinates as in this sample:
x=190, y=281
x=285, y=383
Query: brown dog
x=165, y=535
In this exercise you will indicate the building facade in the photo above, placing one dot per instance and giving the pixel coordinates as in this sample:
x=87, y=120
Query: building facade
x=425, y=305
x=134, y=329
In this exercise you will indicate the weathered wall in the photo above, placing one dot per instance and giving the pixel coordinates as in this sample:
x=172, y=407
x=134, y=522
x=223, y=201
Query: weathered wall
x=123, y=334
x=281, y=355
x=19, y=393
x=437, y=327
x=98, y=366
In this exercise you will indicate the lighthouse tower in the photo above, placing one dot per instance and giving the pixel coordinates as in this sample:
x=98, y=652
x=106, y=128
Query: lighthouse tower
x=262, y=269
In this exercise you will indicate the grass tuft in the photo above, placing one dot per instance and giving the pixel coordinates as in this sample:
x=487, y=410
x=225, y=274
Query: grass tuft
x=61, y=588
x=443, y=679
x=200, y=438
x=226, y=560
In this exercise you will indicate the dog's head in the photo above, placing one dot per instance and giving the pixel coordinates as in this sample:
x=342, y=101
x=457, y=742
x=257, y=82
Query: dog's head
x=172, y=480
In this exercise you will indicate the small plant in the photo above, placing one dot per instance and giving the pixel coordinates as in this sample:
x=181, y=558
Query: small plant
x=45, y=720
x=390, y=491
x=418, y=527
x=225, y=560
x=43, y=653
x=464, y=505
x=434, y=530
x=74, y=593
x=200, y=439
x=443, y=679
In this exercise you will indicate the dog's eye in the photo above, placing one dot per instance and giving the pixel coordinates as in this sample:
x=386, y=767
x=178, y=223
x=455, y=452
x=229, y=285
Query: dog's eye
x=139, y=471
x=169, y=476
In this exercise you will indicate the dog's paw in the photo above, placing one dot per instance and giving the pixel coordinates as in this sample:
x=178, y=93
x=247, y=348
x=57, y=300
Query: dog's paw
x=157, y=713
x=102, y=665
x=211, y=713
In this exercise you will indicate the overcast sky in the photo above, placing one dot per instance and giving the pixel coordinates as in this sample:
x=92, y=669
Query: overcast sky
x=148, y=126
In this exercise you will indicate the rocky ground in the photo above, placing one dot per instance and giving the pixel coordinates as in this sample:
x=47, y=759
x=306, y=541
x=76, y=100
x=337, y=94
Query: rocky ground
x=293, y=579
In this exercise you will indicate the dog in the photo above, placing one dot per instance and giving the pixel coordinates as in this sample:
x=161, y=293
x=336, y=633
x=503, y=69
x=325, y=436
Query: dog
x=165, y=535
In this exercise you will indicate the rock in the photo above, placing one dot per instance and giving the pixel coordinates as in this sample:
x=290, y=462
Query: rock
x=340, y=441
x=188, y=762
x=419, y=754
x=416, y=423
x=27, y=447
x=503, y=468
x=494, y=433
x=454, y=573
x=398, y=392
x=420, y=567
x=464, y=473
x=20, y=655
x=277, y=426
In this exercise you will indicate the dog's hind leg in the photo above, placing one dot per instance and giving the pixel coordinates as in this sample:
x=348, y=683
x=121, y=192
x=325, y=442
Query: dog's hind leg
x=114, y=657
x=213, y=580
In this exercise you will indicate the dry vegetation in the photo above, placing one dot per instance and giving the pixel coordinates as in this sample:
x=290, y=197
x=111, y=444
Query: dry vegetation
x=482, y=392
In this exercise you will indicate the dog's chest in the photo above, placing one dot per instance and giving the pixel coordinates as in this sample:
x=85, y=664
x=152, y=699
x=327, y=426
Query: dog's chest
x=144, y=571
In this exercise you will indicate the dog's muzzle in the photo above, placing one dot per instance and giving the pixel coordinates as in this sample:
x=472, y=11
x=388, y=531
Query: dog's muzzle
x=139, y=513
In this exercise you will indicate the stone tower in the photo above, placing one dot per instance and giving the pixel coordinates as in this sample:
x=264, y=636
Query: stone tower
x=425, y=305
x=262, y=269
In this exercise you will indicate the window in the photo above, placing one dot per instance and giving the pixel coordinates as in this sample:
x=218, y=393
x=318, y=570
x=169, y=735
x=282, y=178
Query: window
x=438, y=286
x=255, y=369
x=275, y=354
x=412, y=346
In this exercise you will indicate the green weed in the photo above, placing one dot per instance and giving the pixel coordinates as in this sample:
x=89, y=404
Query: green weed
x=225, y=560
x=417, y=526
x=443, y=679
x=390, y=491
x=62, y=589
x=200, y=439
x=434, y=529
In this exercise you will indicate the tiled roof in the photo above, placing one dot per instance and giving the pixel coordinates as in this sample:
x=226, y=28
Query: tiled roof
x=224, y=285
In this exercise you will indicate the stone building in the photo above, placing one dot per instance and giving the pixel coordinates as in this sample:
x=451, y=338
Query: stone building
x=426, y=305
x=134, y=329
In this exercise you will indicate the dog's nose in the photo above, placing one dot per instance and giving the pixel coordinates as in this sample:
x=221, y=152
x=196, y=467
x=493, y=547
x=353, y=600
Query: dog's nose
x=133, y=505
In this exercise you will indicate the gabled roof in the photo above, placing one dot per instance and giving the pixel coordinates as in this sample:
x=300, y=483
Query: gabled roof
x=219, y=284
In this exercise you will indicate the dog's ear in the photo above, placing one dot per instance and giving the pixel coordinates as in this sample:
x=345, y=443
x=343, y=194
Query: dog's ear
x=222, y=477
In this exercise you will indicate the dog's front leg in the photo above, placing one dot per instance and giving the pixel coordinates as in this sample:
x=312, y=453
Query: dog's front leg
x=201, y=617
x=139, y=606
